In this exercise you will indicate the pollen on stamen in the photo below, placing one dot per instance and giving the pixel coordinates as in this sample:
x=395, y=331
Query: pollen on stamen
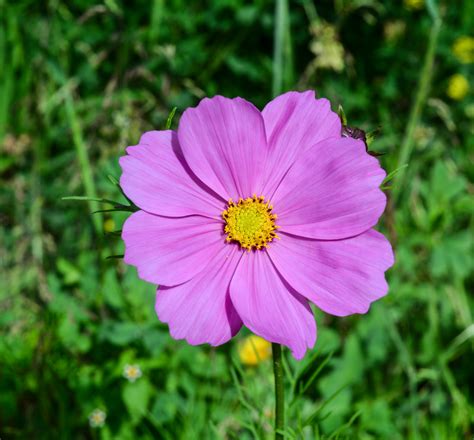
x=250, y=222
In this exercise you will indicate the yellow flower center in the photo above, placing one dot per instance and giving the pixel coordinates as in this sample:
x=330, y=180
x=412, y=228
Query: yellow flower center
x=132, y=372
x=250, y=222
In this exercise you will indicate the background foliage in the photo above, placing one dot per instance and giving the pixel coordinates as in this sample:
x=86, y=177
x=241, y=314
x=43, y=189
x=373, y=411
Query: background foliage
x=81, y=80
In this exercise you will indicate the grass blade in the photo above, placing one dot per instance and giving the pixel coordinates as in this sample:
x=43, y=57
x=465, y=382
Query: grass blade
x=83, y=158
x=424, y=83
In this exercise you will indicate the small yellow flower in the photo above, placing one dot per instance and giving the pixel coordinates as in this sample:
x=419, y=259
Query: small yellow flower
x=109, y=225
x=254, y=349
x=413, y=4
x=97, y=418
x=458, y=87
x=463, y=49
x=132, y=372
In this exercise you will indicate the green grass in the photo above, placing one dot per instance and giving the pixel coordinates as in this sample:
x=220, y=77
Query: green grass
x=80, y=81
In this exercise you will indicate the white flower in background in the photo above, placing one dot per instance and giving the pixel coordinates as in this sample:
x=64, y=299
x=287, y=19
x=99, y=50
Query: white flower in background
x=97, y=418
x=132, y=372
x=326, y=47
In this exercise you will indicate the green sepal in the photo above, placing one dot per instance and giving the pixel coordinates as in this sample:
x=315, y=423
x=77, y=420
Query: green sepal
x=114, y=257
x=371, y=135
x=169, y=121
x=342, y=115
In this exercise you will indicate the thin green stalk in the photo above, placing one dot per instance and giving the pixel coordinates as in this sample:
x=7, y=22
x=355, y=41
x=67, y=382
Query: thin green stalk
x=423, y=87
x=279, y=392
x=84, y=162
x=282, y=77
x=282, y=52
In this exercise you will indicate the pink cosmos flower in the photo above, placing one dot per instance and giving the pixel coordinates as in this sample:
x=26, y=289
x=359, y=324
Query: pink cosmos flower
x=246, y=216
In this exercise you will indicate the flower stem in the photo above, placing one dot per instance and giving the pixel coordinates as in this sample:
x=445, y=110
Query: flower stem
x=279, y=392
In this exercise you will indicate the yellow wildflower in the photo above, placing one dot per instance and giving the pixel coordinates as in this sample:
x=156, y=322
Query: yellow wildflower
x=458, y=87
x=254, y=349
x=109, y=225
x=463, y=49
x=413, y=4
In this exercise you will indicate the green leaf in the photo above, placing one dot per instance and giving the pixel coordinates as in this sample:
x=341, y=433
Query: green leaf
x=90, y=199
x=136, y=396
x=118, y=207
x=453, y=256
x=112, y=291
x=120, y=333
x=113, y=179
x=71, y=337
x=115, y=257
x=376, y=417
x=393, y=173
x=165, y=407
x=155, y=341
x=70, y=273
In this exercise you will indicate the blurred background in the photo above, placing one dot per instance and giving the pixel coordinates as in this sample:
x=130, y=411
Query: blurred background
x=82, y=354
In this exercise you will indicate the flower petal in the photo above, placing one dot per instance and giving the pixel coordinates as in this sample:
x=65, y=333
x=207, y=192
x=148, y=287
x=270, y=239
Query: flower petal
x=170, y=251
x=269, y=306
x=158, y=180
x=331, y=191
x=341, y=277
x=223, y=141
x=294, y=122
x=200, y=310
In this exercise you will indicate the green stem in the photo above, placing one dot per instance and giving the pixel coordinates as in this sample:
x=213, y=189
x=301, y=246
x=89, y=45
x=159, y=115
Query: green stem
x=279, y=392
x=282, y=51
x=423, y=87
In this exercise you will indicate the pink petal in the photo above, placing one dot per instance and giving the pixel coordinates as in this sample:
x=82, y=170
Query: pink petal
x=269, y=306
x=295, y=122
x=200, y=310
x=341, y=277
x=158, y=180
x=223, y=142
x=170, y=251
x=331, y=191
